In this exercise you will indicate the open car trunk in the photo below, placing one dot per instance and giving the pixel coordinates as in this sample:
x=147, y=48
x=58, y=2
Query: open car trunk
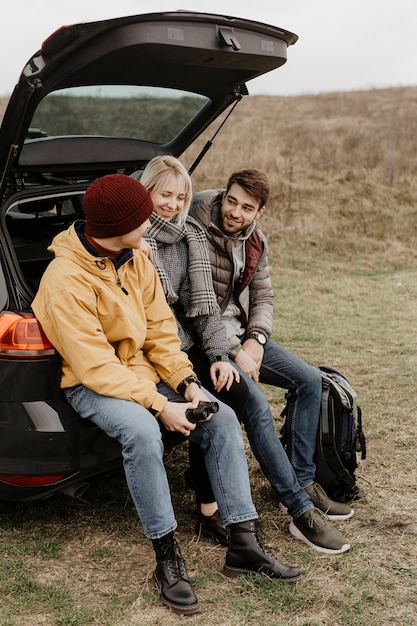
x=109, y=95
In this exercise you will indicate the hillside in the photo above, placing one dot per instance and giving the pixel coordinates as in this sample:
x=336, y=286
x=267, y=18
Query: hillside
x=341, y=164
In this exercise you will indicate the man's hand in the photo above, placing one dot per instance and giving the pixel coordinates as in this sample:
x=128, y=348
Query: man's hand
x=174, y=419
x=249, y=358
x=222, y=374
x=173, y=416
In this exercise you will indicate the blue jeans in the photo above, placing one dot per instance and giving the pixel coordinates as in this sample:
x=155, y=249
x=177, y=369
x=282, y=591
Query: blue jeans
x=142, y=448
x=281, y=368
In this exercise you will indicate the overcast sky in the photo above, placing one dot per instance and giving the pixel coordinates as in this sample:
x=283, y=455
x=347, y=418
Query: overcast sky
x=360, y=44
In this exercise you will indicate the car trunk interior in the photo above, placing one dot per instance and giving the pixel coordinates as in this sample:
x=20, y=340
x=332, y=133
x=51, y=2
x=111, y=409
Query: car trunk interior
x=32, y=226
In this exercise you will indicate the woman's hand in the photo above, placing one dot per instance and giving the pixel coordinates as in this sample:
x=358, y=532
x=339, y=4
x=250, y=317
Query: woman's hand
x=222, y=374
x=146, y=249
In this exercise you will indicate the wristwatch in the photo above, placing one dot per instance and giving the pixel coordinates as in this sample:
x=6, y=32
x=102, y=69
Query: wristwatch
x=260, y=338
x=186, y=382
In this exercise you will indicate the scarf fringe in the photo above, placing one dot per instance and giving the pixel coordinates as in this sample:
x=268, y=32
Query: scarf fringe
x=197, y=312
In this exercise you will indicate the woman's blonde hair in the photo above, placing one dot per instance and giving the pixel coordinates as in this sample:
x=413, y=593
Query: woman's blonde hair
x=157, y=173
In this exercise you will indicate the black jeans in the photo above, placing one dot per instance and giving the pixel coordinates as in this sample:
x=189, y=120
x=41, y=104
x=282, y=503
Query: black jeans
x=236, y=398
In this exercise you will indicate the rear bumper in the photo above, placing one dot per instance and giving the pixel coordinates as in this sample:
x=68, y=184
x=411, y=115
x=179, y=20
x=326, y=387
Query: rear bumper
x=48, y=443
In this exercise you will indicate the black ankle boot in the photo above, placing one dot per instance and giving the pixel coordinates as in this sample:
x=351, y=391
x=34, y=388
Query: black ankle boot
x=248, y=555
x=211, y=526
x=171, y=577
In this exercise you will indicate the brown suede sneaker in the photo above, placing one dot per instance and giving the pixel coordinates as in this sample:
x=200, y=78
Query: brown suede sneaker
x=314, y=528
x=333, y=510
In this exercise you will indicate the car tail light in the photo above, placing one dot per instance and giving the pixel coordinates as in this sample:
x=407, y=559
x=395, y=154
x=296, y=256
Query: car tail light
x=21, y=336
x=33, y=481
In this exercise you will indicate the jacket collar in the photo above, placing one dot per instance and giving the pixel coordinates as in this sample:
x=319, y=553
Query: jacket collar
x=122, y=258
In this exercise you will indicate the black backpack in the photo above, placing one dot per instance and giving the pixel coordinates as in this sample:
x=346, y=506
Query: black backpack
x=340, y=438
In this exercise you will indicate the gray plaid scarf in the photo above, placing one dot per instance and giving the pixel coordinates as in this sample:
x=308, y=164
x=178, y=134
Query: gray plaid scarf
x=164, y=232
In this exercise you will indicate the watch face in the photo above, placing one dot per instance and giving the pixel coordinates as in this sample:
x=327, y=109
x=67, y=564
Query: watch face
x=260, y=338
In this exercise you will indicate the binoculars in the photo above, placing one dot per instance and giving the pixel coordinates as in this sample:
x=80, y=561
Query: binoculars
x=201, y=412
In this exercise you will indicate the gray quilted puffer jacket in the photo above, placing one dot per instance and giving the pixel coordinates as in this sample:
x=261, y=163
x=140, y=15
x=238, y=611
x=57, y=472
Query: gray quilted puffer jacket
x=253, y=292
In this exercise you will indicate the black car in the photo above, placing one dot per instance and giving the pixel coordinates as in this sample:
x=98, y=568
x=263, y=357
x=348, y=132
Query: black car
x=98, y=98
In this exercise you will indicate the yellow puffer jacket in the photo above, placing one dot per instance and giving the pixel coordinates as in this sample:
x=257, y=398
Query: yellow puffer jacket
x=113, y=329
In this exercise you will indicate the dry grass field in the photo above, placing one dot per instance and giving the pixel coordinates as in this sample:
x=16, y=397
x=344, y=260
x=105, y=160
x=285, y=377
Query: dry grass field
x=342, y=225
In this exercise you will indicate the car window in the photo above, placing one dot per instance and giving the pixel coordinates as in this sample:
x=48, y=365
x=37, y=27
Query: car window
x=153, y=114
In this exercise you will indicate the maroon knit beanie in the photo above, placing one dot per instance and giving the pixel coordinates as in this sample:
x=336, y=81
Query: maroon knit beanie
x=115, y=205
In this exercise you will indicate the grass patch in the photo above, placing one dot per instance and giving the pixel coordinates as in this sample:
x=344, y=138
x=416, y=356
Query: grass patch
x=86, y=562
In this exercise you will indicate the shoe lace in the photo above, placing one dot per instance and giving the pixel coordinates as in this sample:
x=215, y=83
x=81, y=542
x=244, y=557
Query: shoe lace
x=175, y=562
x=320, y=493
x=316, y=518
x=260, y=536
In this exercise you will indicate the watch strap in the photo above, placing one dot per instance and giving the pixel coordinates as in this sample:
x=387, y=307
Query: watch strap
x=186, y=382
x=256, y=335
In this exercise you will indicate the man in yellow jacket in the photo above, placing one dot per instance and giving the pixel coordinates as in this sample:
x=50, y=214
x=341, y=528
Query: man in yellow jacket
x=102, y=306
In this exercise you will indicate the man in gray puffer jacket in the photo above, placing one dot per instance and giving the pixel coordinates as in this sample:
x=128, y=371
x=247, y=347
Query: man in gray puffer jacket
x=241, y=280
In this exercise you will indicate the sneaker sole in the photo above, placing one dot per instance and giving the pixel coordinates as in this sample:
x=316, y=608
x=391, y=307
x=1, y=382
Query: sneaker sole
x=336, y=517
x=234, y=572
x=299, y=535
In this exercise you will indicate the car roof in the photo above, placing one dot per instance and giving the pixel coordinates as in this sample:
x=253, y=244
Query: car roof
x=185, y=68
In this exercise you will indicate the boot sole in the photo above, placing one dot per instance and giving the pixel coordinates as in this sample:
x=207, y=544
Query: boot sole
x=234, y=572
x=299, y=535
x=179, y=609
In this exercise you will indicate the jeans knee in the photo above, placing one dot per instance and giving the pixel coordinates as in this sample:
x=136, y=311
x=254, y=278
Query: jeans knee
x=315, y=381
x=223, y=425
x=144, y=441
x=309, y=384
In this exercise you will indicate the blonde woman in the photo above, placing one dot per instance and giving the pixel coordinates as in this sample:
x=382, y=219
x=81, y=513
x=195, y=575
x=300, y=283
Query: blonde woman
x=180, y=255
